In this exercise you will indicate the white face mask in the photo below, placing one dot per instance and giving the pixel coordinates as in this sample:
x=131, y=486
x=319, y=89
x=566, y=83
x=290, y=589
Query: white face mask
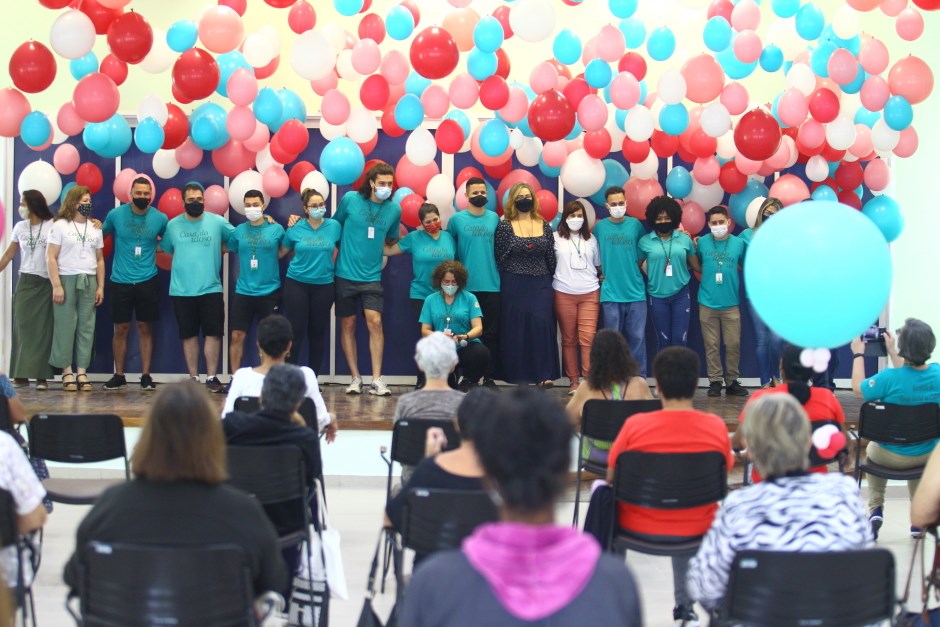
x=575, y=224
x=24, y=212
x=719, y=231
x=253, y=213
x=617, y=212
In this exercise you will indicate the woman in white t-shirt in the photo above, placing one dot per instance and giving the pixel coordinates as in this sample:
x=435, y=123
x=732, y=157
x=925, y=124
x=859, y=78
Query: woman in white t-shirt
x=76, y=271
x=577, y=290
x=275, y=337
x=32, y=300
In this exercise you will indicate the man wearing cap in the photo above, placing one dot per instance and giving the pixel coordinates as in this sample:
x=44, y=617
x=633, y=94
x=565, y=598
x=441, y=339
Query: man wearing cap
x=912, y=381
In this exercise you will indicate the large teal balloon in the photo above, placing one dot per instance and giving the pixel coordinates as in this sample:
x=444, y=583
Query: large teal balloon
x=342, y=161
x=818, y=273
x=885, y=212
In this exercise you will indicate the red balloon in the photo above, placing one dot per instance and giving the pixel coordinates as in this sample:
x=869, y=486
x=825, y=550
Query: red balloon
x=575, y=91
x=502, y=16
x=302, y=17
x=298, y=172
x=115, y=68
x=449, y=137
x=635, y=152
x=548, y=204
x=701, y=144
x=551, y=117
x=233, y=158
x=928, y=5
x=130, y=37
x=266, y=71
x=171, y=203
x=409, y=209
x=108, y=247
x=494, y=93
x=374, y=92
x=598, y=143
x=434, y=53
x=849, y=175
x=500, y=170
x=370, y=145
x=372, y=27
x=731, y=179
x=101, y=16
x=280, y=4
x=176, y=129
x=633, y=63
x=757, y=135
x=721, y=8
x=165, y=261
x=468, y=173
x=32, y=67
x=293, y=136
x=55, y=4
x=389, y=125
x=196, y=74
x=639, y=193
x=831, y=154
x=279, y=153
x=179, y=96
x=502, y=63
x=664, y=144
x=238, y=6
x=850, y=198
x=824, y=105
x=89, y=175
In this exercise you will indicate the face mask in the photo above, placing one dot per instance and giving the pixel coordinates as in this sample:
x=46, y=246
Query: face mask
x=478, y=201
x=24, y=212
x=617, y=212
x=85, y=209
x=317, y=213
x=432, y=228
x=253, y=213
x=141, y=203
x=663, y=227
x=450, y=290
x=719, y=231
x=383, y=193
x=575, y=224
x=524, y=204
x=194, y=208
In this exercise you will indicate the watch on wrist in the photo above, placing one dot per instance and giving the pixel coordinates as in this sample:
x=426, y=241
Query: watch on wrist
x=857, y=355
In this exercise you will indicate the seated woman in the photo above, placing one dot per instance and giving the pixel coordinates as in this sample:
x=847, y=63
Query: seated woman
x=791, y=510
x=524, y=568
x=275, y=338
x=179, y=496
x=18, y=478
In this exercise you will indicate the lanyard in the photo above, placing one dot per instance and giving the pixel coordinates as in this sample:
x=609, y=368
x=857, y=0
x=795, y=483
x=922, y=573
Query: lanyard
x=669, y=254
x=576, y=245
x=81, y=236
x=447, y=310
x=32, y=241
x=373, y=216
x=720, y=255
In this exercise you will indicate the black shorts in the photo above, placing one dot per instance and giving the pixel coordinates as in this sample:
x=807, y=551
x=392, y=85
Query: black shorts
x=140, y=300
x=246, y=308
x=350, y=293
x=195, y=313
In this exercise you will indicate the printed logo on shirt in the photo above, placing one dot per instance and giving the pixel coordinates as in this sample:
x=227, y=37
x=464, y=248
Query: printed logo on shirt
x=140, y=230
x=197, y=237
x=619, y=240
x=477, y=231
x=257, y=240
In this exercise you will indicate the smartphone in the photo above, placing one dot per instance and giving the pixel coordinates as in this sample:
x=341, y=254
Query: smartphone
x=873, y=334
x=875, y=341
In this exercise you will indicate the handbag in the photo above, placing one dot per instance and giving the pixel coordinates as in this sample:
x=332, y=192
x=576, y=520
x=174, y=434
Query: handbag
x=926, y=617
x=368, y=617
x=327, y=540
x=310, y=589
x=599, y=519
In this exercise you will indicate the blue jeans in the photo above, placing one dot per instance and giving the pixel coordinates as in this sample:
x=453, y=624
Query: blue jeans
x=671, y=317
x=768, y=345
x=630, y=320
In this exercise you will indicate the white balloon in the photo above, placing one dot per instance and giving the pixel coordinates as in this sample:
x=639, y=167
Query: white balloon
x=589, y=214
x=794, y=151
x=337, y=36
x=331, y=131
x=344, y=66
x=316, y=180
x=474, y=123
x=259, y=49
x=532, y=20
x=530, y=151
x=247, y=180
x=617, y=134
x=420, y=147
x=845, y=22
x=516, y=139
x=41, y=176
x=817, y=169
x=801, y=77
x=441, y=192
x=715, y=120
x=152, y=107
x=655, y=109
x=671, y=87
x=446, y=213
x=883, y=137
x=270, y=32
x=581, y=174
x=782, y=33
x=849, y=157
x=72, y=35
x=313, y=55
x=840, y=133
x=164, y=164
x=639, y=124
x=160, y=57
x=726, y=148
x=57, y=135
x=264, y=160
x=706, y=195
x=753, y=208
x=361, y=125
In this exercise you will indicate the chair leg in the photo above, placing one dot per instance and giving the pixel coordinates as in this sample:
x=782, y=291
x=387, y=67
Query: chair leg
x=387, y=557
x=577, y=496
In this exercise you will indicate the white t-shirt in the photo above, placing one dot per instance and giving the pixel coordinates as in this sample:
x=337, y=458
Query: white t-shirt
x=575, y=271
x=75, y=255
x=18, y=478
x=32, y=242
x=247, y=382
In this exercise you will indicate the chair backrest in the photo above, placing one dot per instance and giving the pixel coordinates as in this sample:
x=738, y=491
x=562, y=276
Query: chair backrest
x=251, y=404
x=603, y=419
x=6, y=420
x=437, y=520
x=670, y=480
x=276, y=477
x=77, y=438
x=837, y=588
x=899, y=424
x=8, y=519
x=247, y=404
x=408, y=435
x=144, y=585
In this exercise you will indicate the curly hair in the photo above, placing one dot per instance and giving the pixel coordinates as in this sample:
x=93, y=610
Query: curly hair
x=611, y=360
x=570, y=207
x=379, y=169
x=455, y=267
x=509, y=210
x=663, y=204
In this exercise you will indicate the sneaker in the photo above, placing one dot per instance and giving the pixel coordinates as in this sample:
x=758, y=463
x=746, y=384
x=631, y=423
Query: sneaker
x=875, y=519
x=355, y=386
x=714, y=389
x=489, y=383
x=215, y=386
x=116, y=382
x=21, y=383
x=466, y=385
x=194, y=379
x=146, y=382
x=685, y=615
x=379, y=388
x=42, y=385
x=916, y=531
x=735, y=389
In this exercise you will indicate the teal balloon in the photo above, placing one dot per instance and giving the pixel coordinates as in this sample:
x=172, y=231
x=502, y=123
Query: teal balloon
x=785, y=8
x=737, y=203
x=494, y=138
x=614, y=174
x=481, y=65
x=856, y=85
x=818, y=273
x=771, y=58
x=620, y=117
x=634, y=32
x=488, y=34
x=734, y=68
x=65, y=190
x=35, y=129
x=416, y=84
x=95, y=136
x=567, y=47
x=207, y=126
x=228, y=63
x=292, y=108
x=597, y=73
x=679, y=182
x=824, y=192
x=83, y=66
x=460, y=118
x=409, y=112
x=548, y=170
x=885, y=212
x=898, y=113
x=267, y=107
x=182, y=35
x=852, y=44
x=661, y=44
x=623, y=8
x=819, y=59
x=148, y=136
x=348, y=7
x=400, y=193
x=866, y=117
x=717, y=34
x=674, y=119
x=810, y=22
x=399, y=23
x=119, y=137
x=342, y=161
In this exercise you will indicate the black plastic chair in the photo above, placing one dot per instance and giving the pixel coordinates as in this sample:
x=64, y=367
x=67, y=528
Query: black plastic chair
x=788, y=589
x=146, y=585
x=247, y=404
x=10, y=537
x=602, y=420
x=408, y=440
x=887, y=423
x=665, y=481
x=815, y=459
x=78, y=439
x=252, y=404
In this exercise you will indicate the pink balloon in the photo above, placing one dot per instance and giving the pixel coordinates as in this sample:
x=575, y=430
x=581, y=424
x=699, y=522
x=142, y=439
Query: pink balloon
x=592, y=112
x=416, y=177
x=747, y=46
x=590, y=50
x=610, y=43
x=275, y=182
x=909, y=24
x=216, y=200
x=231, y=159
x=436, y=101
x=862, y=146
x=790, y=189
x=335, y=107
x=516, y=107
x=792, y=107
x=322, y=85
x=706, y=170
x=122, y=183
x=461, y=200
x=704, y=79
x=394, y=67
x=625, y=91
x=464, y=91
x=734, y=96
x=842, y=66
x=220, y=29
x=188, y=154
x=259, y=139
x=747, y=166
x=873, y=55
x=554, y=154
x=302, y=17
x=366, y=56
x=877, y=175
x=242, y=87
x=66, y=159
x=516, y=176
x=240, y=123
x=96, y=97
x=811, y=134
x=68, y=120
x=907, y=145
x=780, y=159
x=639, y=193
x=745, y=15
x=693, y=217
x=892, y=8
x=874, y=93
x=544, y=77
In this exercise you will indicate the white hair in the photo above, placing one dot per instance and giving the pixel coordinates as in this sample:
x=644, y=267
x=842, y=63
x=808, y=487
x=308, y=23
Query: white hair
x=436, y=355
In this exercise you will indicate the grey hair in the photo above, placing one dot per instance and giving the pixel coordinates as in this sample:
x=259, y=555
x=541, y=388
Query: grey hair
x=436, y=355
x=916, y=342
x=777, y=432
x=284, y=389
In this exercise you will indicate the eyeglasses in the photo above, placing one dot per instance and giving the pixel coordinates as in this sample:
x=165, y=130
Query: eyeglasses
x=321, y=206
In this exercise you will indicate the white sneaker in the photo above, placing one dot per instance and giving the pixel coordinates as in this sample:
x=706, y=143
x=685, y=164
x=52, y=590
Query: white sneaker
x=355, y=386
x=378, y=388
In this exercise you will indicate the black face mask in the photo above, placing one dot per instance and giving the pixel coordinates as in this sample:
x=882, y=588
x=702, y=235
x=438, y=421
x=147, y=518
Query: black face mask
x=525, y=204
x=141, y=203
x=85, y=209
x=478, y=201
x=663, y=227
x=194, y=209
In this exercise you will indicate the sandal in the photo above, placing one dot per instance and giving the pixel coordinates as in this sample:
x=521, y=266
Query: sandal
x=545, y=385
x=84, y=386
x=42, y=385
x=69, y=385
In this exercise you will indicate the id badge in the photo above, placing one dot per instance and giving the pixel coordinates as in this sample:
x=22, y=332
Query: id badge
x=254, y=264
x=578, y=262
x=719, y=278
x=83, y=254
x=668, y=269
x=371, y=232
x=138, y=251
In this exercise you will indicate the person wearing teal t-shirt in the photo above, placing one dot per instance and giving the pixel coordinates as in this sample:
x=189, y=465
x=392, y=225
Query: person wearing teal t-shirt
x=370, y=221
x=197, y=241
x=911, y=381
x=135, y=288
x=474, y=230
x=257, y=290
x=720, y=254
x=666, y=255
x=309, y=288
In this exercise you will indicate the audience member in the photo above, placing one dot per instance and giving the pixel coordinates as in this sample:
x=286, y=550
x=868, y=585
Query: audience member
x=792, y=510
x=677, y=428
x=18, y=478
x=925, y=506
x=524, y=569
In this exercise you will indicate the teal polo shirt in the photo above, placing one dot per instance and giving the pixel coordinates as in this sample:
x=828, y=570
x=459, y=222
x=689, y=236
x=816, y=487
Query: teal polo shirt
x=313, y=248
x=196, y=247
x=678, y=248
x=475, y=248
x=720, y=257
x=259, y=271
x=905, y=386
x=623, y=281
x=461, y=312
x=426, y=254
x=360, y=257
x=135, y=242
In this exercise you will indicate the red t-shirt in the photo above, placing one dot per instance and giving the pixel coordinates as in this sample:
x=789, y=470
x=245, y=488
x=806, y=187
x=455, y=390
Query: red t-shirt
x=821, y=406
x=671, y=431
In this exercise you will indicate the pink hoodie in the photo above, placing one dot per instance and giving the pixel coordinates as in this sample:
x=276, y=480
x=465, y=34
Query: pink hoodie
x=534, y=571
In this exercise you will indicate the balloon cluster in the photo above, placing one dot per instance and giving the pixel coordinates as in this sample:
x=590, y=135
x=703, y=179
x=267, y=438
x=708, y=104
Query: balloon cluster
x=843, y=107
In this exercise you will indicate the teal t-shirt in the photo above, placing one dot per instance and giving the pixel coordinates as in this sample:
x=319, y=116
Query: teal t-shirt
x=360, y=257
x=259, y=272
x=905, y=386
x=312, y=262
x=720, y=257
x=197, y=253
x=426, y=254
x=132, y=231
x=464, y=309
x=623, y=281
x=656, y=251
x=475, y=248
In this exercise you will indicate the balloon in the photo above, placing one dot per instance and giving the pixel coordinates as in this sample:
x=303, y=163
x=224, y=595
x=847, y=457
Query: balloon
x=72, y=35
x=96, y=98
x=275, y=182
x=302, y=18
x=148, y=137
x=399, y=23
x=41, y=176
x=313, y=55
x=176, y=128
x=739, y=203
x=771, y=59
x=674, y=119
x=810, y=22
x=911, y=78
x=122, y=184
x=33, y=68
x=734, y=97
x=220, y=29
x=842, y=66
x=877, y=175
x=316, y=180
x=704, y=78
x=717, y=34
x=661, y=43
x=757, y=135
x=679, y=182
x=792, y=107
x=789, y=190
x=494, y=139
x=130, y=37
x=693, y=217
x=581, y=174
x=66, y=159
x=885, y=212
x=898, y=113
x=35, y=130
x=89, y=175
x=639, y=193
x=550, y=116
x=731, y=179
x=747, y=46
x=196, y=74
x=434, y=53
x=164, y=164
x=114, y=68
x=342, y=161
x=242, y=183
x=182, y=35
x=849, y=175
x=909, y=24
x=532, y=20
x=824, y=105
